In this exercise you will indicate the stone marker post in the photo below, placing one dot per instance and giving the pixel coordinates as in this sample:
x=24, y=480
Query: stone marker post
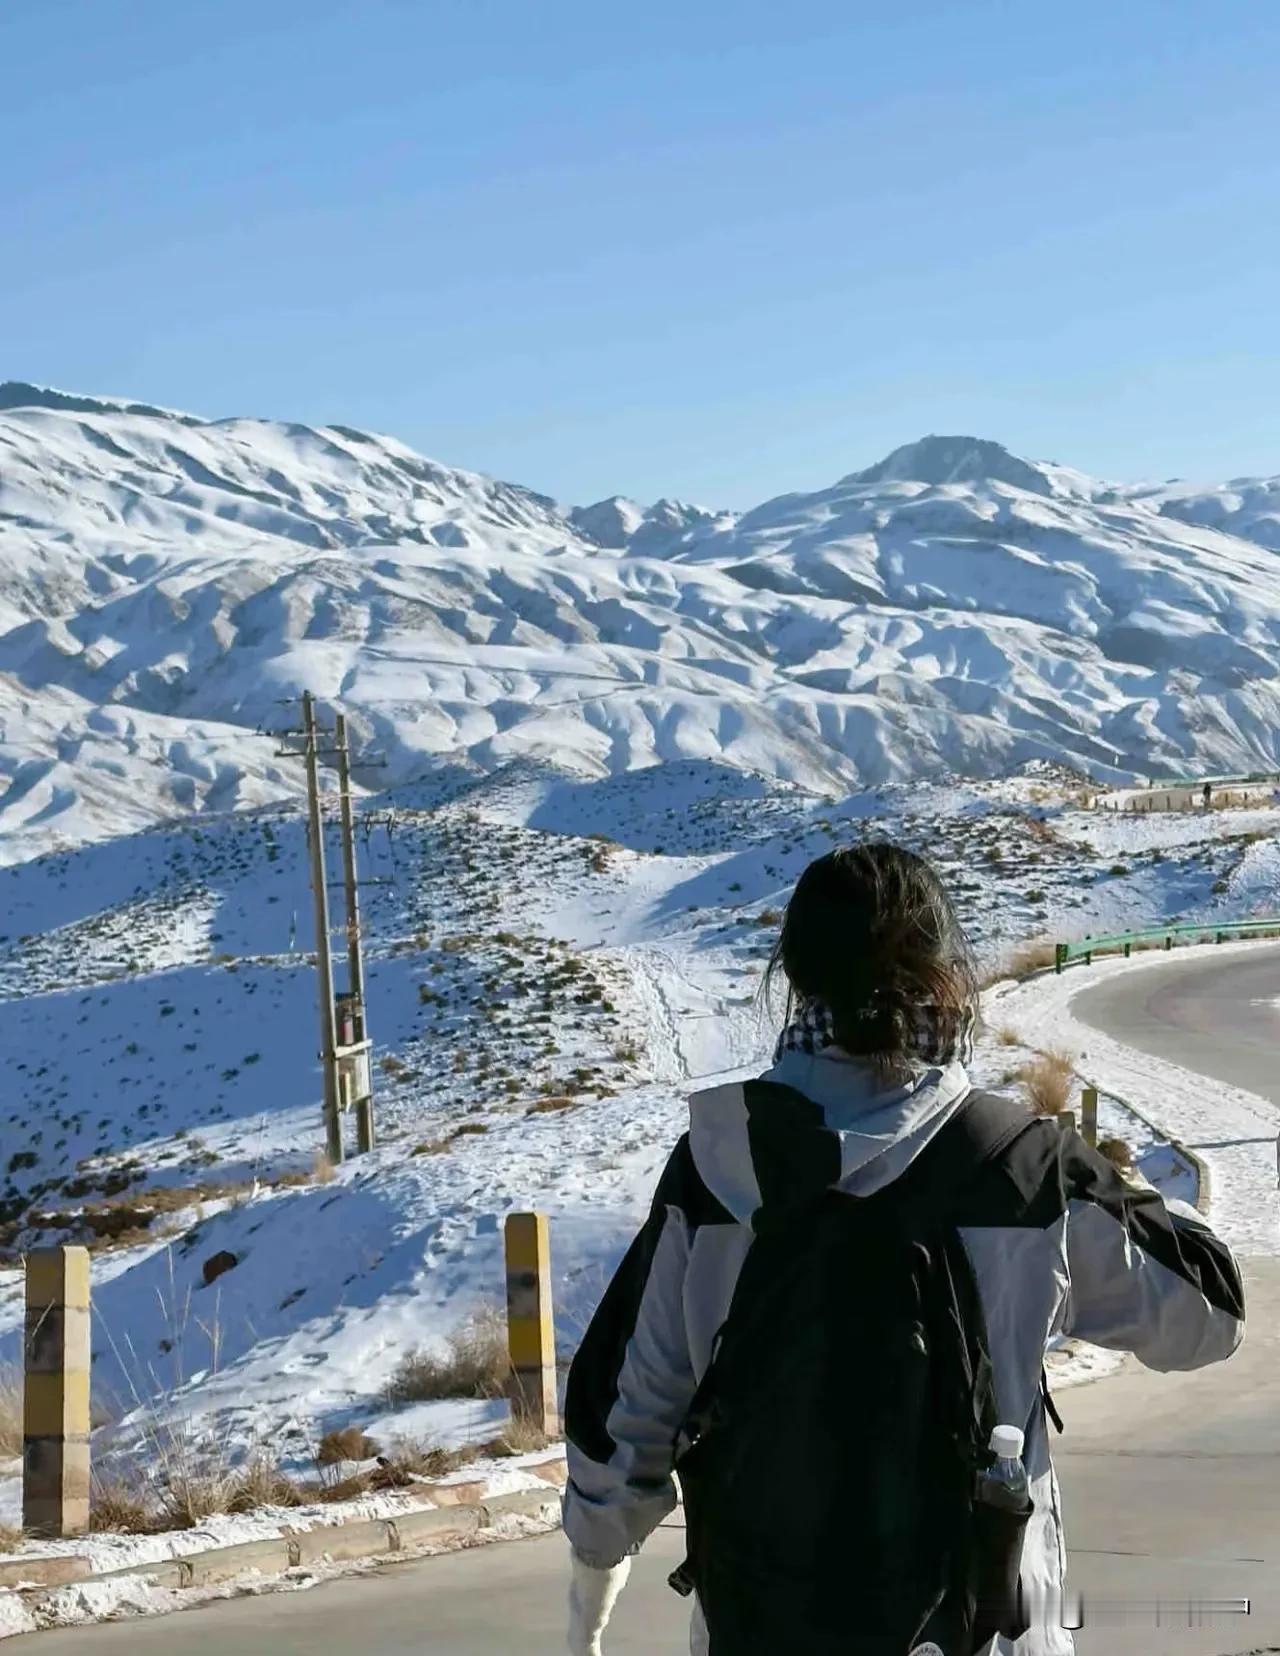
x=530, y=1333
x=55, y=1461
x=1089, y=1114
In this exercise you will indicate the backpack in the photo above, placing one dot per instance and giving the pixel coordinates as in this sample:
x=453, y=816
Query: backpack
x=828, y=1461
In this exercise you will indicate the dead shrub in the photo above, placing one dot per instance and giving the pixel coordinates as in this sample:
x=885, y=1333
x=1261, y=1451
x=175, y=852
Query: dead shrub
x=474, y=1363
x=1007, y=1037
x=261, y=1483
x=121, y=1508
x=189, y=1496
x=124, y=1221
x=10, y=1538
x=1117, y=1152
x=347, y=1443
x=557, y=1101
x=1046, y=1080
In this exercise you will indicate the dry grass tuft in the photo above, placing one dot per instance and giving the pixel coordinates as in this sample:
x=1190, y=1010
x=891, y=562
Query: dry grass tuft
x=191, y=1495
x=121, y=1508
x=475, y=1363
x=558, y=1101
x=520, y=1436
x=261, y=1483
x=1008, y=1037
x=1047, y=1080
x=10, y=1538
x=1031, y=957
x=10, y=1411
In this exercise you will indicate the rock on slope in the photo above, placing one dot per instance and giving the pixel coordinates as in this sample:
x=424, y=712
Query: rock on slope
x=954, y=608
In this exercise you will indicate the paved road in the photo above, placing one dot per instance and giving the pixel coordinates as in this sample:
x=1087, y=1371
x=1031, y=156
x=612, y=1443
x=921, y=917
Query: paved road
x=1171, y=1483
x=1217, y=1018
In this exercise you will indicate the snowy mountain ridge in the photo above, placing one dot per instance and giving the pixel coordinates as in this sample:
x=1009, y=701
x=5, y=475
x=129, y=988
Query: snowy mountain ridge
x=168, y=582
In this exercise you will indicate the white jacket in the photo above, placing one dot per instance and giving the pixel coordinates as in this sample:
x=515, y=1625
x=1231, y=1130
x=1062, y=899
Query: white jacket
x=1070, y=1249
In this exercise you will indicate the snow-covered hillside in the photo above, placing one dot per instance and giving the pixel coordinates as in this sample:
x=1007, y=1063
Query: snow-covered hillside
x=552, y=964
x=168, y=583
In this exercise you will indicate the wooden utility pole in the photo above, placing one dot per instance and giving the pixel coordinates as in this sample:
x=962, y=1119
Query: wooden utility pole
x=324, y=959
x=355, y=955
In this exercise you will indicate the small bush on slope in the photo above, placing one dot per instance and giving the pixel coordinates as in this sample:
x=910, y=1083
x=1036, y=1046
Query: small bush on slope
x=475, y=1363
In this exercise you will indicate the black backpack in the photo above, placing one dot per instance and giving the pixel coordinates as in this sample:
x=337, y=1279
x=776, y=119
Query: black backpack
x=829, y=1459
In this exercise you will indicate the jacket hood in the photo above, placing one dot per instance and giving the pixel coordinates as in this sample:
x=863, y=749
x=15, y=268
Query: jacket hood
x=755, y=1145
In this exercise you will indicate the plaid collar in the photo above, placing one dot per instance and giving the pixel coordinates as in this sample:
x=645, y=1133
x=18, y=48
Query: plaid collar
x=934, y=1039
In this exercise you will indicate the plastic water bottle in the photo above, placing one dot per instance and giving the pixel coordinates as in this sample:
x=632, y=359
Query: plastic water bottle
x=1004, y=1482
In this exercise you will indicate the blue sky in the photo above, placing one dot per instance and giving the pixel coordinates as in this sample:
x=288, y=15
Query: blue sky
x=712, y=250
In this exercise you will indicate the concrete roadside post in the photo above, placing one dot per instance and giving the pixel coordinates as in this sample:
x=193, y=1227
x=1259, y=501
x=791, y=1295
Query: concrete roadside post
x=55, y=1414
x=1067, y=1120
x=1089, y=1114
x=530, y=1331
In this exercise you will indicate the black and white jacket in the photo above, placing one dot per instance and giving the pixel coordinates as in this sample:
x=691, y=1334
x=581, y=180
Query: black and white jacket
x=1059, y=1242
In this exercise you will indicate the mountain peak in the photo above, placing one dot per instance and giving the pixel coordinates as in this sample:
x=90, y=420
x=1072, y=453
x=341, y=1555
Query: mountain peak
x=954, y=460
x=609, y=523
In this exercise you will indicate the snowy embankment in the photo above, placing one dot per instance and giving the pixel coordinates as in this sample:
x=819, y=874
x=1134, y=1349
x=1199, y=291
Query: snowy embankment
x=1232, y=1131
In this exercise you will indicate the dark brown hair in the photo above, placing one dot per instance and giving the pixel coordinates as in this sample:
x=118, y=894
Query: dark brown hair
x=871, y=934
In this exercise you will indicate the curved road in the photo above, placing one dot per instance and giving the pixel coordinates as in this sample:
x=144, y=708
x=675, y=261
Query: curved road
x=1217, y=1018
x=1171, y=1483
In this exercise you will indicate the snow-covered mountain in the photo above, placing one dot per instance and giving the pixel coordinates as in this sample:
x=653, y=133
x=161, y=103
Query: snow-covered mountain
x=168, y=583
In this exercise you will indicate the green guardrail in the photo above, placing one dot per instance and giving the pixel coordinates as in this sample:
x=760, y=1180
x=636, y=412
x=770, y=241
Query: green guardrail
x=1085, y=948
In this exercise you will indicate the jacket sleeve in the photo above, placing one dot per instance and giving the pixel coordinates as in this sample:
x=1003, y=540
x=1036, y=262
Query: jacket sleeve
x=629, y=1389
x=1147, y=1276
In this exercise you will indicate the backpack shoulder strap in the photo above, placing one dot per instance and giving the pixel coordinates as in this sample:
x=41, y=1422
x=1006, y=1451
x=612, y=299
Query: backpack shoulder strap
x=979, y=1132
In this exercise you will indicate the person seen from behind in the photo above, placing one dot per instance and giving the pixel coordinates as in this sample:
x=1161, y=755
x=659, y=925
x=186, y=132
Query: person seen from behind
x=851, y=1270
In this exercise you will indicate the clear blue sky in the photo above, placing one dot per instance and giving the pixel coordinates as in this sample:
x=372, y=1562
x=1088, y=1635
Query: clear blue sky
x=717, y=249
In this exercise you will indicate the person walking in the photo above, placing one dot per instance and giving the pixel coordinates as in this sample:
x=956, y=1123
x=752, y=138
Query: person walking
x=845, y=1285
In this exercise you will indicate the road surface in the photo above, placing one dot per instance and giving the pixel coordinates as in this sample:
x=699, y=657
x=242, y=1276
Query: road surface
x=1171, y=1483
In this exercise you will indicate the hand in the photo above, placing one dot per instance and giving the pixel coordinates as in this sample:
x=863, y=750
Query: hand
x=592, y=1596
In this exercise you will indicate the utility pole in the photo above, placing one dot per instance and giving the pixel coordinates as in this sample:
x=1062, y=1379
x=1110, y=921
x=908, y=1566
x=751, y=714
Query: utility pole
x=324, y=959
x=355, y=954
x=344, y=1042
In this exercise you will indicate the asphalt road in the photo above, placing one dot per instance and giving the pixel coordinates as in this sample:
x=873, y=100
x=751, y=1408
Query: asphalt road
x=1216, y=1018
x=1171, y=1483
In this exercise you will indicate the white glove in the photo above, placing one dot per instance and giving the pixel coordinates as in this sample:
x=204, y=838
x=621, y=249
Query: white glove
x=592, y=1596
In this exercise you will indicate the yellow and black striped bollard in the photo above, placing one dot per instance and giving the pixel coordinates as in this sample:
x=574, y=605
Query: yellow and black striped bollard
x=530, y=1331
